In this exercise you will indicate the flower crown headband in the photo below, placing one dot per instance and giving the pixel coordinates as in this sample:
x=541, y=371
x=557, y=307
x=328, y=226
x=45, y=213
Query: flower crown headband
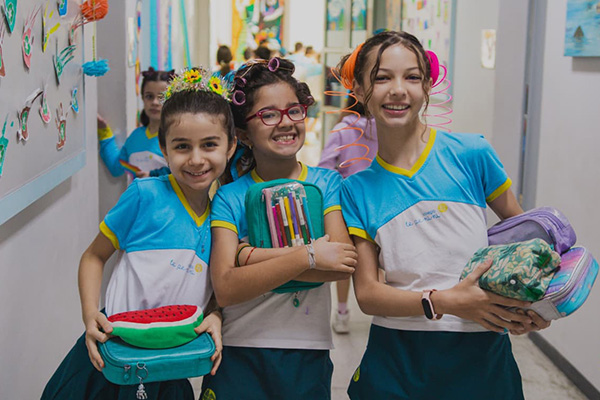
x=198, y=80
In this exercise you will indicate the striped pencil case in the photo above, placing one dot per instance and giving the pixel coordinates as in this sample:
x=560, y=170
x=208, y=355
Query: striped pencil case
x=285, y=213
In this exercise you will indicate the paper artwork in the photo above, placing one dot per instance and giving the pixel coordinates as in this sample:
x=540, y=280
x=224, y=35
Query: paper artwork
x=45, y=112
x=2, y=32
x=23, y=115
x=488, y=48
x=61, y=59
x=63, y=7
x=28, y=36
x=3, y=144
x=582, y=28
x=9, y=9
x=74, y=101
x=47, y=30
x=61, y=125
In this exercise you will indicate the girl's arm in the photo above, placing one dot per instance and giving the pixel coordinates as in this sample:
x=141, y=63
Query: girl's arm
x=506, y=205
x=97, y=327
x=465, y=300
x=233, y=285
x=334, y=227
x=109, y=151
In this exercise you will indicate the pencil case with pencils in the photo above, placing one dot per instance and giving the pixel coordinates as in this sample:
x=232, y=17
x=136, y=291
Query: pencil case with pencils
x=285, y=213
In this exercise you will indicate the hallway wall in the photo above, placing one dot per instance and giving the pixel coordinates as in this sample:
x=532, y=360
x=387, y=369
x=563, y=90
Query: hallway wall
x=40, y=250
x=568, y=176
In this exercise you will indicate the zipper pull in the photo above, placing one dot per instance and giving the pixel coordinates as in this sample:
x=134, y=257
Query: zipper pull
x=141, y=392
x=126, y=369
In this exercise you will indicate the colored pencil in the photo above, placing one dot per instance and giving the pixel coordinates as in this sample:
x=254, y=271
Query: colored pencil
x=307, y=217
x=269, y=211
x=277, y=222
x=283, y=223
x=286, y=202
x=298, y=241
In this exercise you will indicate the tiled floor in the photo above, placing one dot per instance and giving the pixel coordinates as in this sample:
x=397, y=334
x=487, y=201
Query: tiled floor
x=541, y=379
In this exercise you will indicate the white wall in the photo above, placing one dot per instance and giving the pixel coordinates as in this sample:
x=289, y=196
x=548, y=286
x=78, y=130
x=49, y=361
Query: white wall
x=304, y=22
x=39, y=252
x=568, y=176
x=473, y=85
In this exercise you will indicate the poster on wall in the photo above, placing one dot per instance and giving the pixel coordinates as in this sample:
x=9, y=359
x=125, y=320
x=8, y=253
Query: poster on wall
x=582, y=30
x=254, y=22
x=393, y=8
x=336, y=15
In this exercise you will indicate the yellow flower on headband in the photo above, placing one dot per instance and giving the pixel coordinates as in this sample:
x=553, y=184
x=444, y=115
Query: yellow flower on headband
x=192, y=76
x=215, y=85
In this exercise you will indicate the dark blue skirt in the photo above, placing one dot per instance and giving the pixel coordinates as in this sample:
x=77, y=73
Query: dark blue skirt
x=77, y=379
x=275, y=374
x=436, y=365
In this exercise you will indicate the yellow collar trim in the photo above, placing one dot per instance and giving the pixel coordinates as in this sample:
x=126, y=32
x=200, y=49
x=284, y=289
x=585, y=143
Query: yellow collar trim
x=415, y=168
x=301, y=177
x=151, y=135
x=199, y=220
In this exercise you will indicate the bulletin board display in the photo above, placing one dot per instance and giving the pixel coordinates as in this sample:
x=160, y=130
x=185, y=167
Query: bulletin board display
x=433, y=23
x=42, y=112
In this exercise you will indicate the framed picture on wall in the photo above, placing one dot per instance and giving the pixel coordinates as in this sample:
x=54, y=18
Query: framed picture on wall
x=582, y=30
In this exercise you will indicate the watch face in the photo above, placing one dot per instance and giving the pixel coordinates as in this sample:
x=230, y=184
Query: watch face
x=427, y=308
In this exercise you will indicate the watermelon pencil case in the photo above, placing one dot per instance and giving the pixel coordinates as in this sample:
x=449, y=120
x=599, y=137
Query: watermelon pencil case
x=125, y=364
x=157, y=328
x=570, y=286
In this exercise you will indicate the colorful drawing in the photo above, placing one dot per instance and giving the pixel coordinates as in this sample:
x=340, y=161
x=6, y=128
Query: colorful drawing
x=138, y=13
x=3, y=144
x=74, y=101
x=9, y=9
x=582, y=30
x=255, y=21
x=336, y=15
x=23, y=115
x=28, y=36
x=61, y=59
x=46, y=30
x=2, y=32
x=359, y=15
x=89, y=11
x=45, y=112
x=61, y=125
x=63, y=7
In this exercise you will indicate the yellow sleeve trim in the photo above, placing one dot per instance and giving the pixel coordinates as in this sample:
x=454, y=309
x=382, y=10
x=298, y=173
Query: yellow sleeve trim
x=104, y=133
x=332, y=208
x=109, y=234
x=360, y=233
x=496, y=193
x=224, y=224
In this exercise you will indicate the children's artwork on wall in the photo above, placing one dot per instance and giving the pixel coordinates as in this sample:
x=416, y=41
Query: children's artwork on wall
x=433, y=23
x=359, y=15
x=45, y=112
x=47, y=30
x=488, y=48
x=2, y=32
x=61, y=59
x=3, y=144
x=254, y=21
x=89, y=11
x=138, y=30
x=22, y=131
x=74, y=101
x=582, y=30
x=63, y=7
x=9, y=9
x=336, y=10
x=28, y=37
x=61, y=125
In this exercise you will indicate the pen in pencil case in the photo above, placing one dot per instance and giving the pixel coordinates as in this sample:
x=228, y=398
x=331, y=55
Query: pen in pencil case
x=303, y=228
x=277, y=221
x=307, y=217
x=284, y=221
x=288, y=214
x=269, y=211
x=298, y=241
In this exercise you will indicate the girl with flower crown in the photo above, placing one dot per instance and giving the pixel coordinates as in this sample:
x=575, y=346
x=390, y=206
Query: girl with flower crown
x=157, y=223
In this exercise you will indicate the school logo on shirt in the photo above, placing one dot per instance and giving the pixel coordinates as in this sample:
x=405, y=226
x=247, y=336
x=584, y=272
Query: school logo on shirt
x=191, y=269
x=198, y=268
x=427, y=216
x=442, y=207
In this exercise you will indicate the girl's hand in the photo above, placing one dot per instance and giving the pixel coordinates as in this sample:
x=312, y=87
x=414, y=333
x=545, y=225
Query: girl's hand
x=537, y=324
x=467, y=300
x=102, y=124
x=333, y=256
x=212, y=325
x=93, y=334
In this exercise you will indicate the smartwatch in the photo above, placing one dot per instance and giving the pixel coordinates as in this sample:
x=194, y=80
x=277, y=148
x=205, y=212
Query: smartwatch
x=428, y=305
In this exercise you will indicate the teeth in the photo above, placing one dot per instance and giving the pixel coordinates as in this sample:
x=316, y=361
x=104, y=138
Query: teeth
x=284, y=138
x=197, y=173
x=393, y=107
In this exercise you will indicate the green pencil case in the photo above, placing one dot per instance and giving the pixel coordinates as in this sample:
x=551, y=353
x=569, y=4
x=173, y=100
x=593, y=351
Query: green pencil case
x=285, y=213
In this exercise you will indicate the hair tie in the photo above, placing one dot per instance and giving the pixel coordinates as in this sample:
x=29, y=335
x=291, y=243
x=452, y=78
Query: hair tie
x=347, y=71
x=434, y=66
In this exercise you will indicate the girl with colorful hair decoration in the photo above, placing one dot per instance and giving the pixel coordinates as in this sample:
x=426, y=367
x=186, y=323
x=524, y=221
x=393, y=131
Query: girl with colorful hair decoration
x=419, y=213
x=161, y=229
x=276, y=345
x=140, y=156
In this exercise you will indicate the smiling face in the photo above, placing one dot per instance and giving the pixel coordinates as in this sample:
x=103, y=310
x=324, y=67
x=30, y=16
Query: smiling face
x=398, y=91
x=197, y=151
x=281, y=141
x=151, y=98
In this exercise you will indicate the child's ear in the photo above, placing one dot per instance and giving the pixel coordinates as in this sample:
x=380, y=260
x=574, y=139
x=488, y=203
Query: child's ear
x=231, y=150
x=358, y=91
x=163, y=149
x=242, y=135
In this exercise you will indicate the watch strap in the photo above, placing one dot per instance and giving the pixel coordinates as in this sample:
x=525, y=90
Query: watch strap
x=428, y=305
